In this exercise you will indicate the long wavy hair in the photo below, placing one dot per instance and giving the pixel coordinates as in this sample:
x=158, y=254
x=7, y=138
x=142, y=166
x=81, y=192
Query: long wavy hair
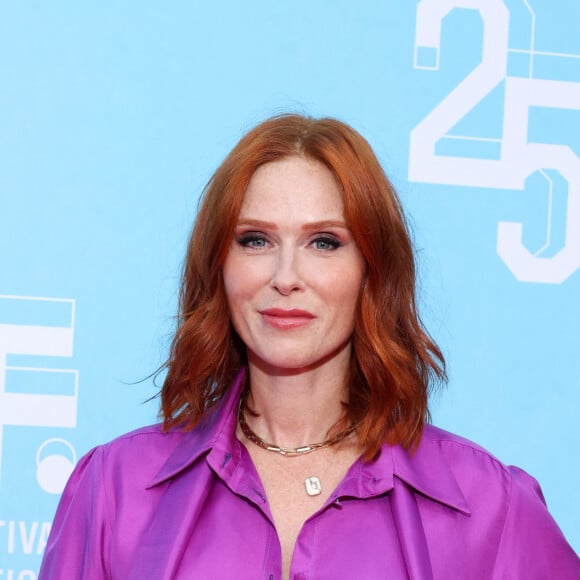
x=394, y=361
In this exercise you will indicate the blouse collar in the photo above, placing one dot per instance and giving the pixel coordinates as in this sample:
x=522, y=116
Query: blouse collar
x=426, y=469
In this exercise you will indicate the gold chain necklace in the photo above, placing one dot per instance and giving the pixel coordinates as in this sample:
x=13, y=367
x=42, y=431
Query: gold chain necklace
x=312, y=483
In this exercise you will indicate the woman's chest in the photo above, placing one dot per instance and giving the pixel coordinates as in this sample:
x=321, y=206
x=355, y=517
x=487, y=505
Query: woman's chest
x=230, y=535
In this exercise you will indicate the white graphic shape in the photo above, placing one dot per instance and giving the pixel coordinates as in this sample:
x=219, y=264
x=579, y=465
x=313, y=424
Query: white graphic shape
x=524, y=158
x=424, y=164
x=53, y=469
x=37, y=410
x=518, y=159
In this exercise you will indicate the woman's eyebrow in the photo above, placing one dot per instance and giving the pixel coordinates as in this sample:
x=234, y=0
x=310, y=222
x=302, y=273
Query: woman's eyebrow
x=260, y=224
x=319, y=225
x=324, y=225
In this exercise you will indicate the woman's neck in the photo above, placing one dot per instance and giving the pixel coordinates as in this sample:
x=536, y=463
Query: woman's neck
x=297, y=408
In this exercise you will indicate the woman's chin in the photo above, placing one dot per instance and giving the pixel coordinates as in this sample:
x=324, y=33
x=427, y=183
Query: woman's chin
x=291, y=364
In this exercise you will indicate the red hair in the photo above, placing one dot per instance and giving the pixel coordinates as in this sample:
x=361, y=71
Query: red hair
x=394, y=360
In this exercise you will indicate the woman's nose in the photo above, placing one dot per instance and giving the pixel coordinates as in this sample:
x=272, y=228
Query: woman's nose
x=286, y=277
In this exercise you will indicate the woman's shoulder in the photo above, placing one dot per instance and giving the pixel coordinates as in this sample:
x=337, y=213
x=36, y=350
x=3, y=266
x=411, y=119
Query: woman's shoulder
x=151, y=439
x=139, y=455
x=503, y=503
x=457, y=449
x=470, y=462
x=145, y=436
x=486, y=483
x=152, y=454
x=433, y=434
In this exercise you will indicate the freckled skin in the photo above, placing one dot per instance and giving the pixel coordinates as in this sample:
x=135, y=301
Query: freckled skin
x=292, y=250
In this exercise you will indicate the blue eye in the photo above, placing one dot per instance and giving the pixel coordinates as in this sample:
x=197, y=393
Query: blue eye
x=252, y=240
x=326, y=243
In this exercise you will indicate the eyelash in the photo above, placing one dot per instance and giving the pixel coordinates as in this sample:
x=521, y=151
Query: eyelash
x=246, y=240
x=331, y=241
x=249, y=239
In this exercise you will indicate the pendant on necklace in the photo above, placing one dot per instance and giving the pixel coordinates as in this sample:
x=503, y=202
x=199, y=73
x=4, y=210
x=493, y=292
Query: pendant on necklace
x=313, y=485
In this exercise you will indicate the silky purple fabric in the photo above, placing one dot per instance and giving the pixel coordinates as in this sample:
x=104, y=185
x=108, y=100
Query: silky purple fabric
x=177, y=505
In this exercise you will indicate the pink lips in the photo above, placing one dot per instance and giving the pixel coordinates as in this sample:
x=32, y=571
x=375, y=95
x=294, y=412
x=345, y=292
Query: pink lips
x=286, y=319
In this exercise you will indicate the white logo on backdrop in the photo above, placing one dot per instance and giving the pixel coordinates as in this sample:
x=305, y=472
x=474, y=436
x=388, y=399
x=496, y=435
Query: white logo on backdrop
x=39, y=409
x=518, y=158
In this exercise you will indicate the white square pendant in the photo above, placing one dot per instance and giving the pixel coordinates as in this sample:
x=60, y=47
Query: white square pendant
x=313, y=485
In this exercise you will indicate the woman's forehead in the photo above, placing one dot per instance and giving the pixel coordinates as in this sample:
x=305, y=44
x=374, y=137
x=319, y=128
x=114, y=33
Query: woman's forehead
x=293, y=186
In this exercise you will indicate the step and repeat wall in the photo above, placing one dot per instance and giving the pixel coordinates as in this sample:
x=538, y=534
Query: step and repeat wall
x=114, y=115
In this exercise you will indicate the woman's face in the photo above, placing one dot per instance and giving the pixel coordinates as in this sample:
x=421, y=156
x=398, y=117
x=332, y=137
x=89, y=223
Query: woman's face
x=293, y=272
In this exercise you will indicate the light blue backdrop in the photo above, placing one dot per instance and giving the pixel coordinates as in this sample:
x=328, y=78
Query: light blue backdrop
x=114, y=115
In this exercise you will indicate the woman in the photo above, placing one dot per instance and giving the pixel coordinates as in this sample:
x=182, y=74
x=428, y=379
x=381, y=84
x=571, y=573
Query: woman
x=294, y=440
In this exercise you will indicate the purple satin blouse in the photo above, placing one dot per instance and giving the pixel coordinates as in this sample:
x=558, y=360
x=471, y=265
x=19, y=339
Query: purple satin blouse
x=190, y=505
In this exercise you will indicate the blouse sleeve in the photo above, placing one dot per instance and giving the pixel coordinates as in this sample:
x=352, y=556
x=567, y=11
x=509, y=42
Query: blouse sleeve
x=532, y=545
x=79, y=537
